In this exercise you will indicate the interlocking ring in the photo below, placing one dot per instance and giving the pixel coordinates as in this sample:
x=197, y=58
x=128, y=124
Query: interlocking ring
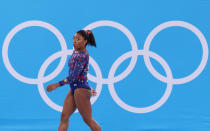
x=146, y=53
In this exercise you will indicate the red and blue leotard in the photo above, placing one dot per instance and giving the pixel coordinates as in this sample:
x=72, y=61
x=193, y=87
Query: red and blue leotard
x=78, y=69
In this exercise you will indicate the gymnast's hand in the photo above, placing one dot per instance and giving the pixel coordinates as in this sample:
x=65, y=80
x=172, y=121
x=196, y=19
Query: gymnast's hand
x=52, y=87
x=93, y=92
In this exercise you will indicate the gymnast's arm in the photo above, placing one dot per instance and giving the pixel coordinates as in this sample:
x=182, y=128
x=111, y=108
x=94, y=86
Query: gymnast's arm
x=77, y=70
x=79, y=65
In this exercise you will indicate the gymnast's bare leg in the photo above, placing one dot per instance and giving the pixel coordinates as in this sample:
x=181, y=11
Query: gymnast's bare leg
x=69, y=107
x=82, y=100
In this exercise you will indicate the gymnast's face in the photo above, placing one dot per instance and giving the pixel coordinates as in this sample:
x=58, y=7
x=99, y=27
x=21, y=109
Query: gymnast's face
x=79, y=42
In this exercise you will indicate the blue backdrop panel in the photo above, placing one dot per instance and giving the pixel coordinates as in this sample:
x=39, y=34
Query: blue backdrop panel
x=150, y=67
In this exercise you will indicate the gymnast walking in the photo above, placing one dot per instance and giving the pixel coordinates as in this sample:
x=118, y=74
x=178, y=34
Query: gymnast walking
x=80, y=92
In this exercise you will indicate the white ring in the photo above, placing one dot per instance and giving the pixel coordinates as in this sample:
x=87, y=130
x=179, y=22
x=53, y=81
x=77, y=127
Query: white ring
x=186, y=25
x=158, y=103
x=11, y=35
x=131, y=39
x=41, y=79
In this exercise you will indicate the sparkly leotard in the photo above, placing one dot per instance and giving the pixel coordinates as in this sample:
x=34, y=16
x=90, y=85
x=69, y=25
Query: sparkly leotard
x=78, y=69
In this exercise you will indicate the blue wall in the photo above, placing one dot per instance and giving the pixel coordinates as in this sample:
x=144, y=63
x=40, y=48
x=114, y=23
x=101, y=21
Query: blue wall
x=150, y=66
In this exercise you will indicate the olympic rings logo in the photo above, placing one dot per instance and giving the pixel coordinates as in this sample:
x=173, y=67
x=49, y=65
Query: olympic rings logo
x=146, y=53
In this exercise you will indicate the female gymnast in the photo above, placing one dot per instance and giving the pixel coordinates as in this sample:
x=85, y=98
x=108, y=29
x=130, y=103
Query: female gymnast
x=80, y=92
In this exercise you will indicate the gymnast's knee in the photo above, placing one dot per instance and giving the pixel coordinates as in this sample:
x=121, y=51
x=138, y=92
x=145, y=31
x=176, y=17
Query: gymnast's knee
x=87, y=120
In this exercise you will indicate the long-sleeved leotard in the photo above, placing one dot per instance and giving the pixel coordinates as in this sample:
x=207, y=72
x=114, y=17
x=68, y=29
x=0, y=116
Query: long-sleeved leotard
x=78, y=69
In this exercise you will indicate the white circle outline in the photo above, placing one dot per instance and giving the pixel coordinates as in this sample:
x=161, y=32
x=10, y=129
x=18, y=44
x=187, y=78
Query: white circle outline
x=188, y=26
x=11, y=34
x=147, y=109
x=132, y=40
x=43, y=68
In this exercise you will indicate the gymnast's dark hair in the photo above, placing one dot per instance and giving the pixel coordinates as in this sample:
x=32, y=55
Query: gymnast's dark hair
x=88, y=35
